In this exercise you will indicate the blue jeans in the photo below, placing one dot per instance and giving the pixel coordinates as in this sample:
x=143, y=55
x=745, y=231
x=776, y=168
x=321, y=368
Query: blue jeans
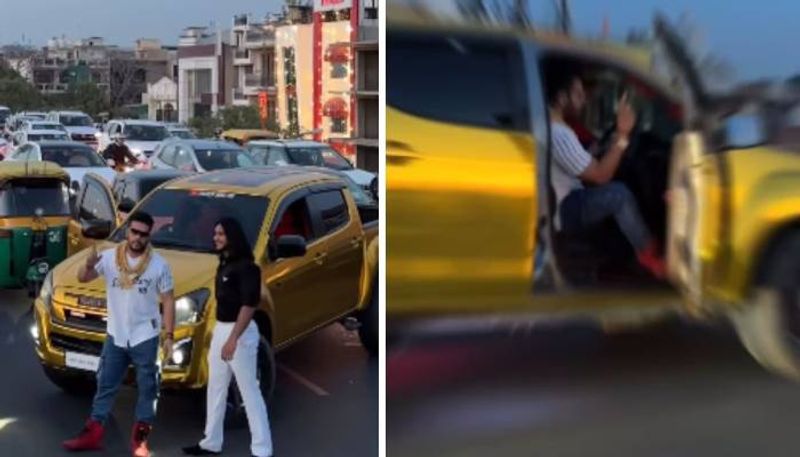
x=584, y=208
x=114, y=363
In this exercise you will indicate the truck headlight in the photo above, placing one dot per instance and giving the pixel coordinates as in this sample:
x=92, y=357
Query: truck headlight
x=189, y=308
x=181, y=355
x=46, y=293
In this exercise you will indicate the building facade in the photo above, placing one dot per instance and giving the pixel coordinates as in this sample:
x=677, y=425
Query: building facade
x=205, y=72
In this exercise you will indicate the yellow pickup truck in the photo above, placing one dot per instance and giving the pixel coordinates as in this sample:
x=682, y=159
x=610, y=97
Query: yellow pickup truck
x=332, y=278
x=471, y=205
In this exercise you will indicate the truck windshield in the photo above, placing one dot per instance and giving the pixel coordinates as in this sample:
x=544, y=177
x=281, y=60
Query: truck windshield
x=185, y=219
x=24, y=197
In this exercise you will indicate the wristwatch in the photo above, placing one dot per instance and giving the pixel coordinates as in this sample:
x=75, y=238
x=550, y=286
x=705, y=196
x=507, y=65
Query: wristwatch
x=622, y=142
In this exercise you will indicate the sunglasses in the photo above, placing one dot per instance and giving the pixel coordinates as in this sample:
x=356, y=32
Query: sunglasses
x=140, y=233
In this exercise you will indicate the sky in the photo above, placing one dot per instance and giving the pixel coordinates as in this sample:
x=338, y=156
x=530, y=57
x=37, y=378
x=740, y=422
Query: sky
x=120, y=22
x=757, y=37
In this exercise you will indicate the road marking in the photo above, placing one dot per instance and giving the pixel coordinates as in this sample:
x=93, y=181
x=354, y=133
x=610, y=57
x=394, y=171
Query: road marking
x=304, y=381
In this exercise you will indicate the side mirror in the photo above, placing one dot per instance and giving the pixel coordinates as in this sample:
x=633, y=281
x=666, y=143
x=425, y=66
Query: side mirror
x=126, y=205
x=96, y=230
x=290, y=246
x=741, y=131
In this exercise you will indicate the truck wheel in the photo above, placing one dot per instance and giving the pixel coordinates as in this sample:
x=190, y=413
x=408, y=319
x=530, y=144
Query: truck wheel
x=266, y=372
x=69, y=383
x=368, y=331
x=769, y=326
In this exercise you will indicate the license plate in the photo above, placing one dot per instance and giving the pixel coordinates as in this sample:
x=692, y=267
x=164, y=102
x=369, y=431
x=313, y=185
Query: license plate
x=82, y=361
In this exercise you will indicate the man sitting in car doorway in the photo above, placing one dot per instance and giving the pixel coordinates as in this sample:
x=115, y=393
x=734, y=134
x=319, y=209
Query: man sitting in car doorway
x=585, y=192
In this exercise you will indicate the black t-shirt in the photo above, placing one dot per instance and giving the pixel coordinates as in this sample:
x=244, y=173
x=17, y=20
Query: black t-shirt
x=238, y=284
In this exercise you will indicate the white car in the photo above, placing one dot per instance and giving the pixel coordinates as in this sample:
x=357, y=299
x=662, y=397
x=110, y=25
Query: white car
x=142, y=137
x=78, y=124
x=33, y=136
x=181, y=132
x=42, y=125
x=75, y=158
x=306, y=153
x=200, y=156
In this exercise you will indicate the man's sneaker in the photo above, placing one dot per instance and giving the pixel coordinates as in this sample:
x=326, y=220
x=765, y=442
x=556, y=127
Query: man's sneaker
x=652, y=261
x=197, y=450
x=90, y=438
x=139, y=436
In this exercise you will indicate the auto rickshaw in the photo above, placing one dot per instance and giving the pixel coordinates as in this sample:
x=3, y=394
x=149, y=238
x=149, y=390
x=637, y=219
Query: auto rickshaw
x=242, y=136
x=34, y=213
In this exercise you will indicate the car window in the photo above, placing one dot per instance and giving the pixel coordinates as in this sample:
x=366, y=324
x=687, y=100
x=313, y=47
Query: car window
x=330, y=206
x=72, y=156
x=294, y=220
x=276, y=155
x=183, y=157
x=95, y=204
x=75, y=120
x=219, y=159
x=118, y=188
x=24, y=197
x=130, y=191
x=185, y=219
x=168, y=154
x=456, y=79
x=145, y=132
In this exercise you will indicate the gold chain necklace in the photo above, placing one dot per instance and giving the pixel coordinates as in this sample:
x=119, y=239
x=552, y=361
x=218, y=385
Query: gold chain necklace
x=129, y=275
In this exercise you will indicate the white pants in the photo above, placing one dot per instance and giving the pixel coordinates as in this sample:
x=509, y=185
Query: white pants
x=243, y=368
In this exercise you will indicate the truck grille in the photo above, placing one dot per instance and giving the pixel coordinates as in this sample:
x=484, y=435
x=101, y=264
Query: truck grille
x=68, y=343
x=91, y=322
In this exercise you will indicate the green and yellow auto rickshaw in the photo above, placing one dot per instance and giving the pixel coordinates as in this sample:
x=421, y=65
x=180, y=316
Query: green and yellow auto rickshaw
x=34, y=213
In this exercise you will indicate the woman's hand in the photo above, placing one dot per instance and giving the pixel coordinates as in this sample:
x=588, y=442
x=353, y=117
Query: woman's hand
x=228, y=349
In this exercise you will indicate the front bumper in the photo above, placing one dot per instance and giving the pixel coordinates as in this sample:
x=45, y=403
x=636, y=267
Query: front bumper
x=56, y=337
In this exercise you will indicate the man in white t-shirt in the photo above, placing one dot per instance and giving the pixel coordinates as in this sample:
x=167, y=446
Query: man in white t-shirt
x=580, y=207
x=137, y=279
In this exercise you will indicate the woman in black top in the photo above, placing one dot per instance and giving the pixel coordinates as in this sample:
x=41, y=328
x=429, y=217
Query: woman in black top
x=234, y=343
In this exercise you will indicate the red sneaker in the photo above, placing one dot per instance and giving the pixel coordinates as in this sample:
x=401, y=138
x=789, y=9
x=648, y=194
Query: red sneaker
x=90, y=438
x=139, y=436
x=652, y=261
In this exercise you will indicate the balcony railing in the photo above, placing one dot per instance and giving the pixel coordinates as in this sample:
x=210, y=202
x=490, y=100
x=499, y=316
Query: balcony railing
x=257, y=80
x=240, y=55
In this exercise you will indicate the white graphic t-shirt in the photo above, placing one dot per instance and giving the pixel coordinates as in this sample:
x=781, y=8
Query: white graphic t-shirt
x=133, y=314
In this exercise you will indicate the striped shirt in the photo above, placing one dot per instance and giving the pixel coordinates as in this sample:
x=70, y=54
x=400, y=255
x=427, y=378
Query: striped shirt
x=570, y=160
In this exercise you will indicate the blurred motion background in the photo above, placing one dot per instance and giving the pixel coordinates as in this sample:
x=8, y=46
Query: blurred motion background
x=575, y=387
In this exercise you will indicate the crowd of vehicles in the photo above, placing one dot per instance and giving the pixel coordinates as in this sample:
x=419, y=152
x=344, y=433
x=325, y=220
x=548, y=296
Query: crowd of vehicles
x=59, y=195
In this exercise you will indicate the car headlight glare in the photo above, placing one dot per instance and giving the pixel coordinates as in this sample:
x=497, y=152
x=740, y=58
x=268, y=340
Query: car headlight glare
x=189, y=308
x=46, y=293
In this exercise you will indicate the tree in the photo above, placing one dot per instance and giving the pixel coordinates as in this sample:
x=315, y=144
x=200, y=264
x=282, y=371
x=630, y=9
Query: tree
x=240, y=117
x=17, y=93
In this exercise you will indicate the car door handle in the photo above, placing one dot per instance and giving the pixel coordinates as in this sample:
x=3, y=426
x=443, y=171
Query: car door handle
x=356, y=241
x=319, y=257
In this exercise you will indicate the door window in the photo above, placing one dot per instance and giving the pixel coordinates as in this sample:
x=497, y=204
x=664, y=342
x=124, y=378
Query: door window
x=461, y=80
x=183, y=158
x=168, y=155
x=331, y=208
x=95, y=204
x=295, y=220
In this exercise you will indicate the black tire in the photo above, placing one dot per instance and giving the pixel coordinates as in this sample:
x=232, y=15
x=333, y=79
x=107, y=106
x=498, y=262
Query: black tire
x=267, y=376
x=769, y=326
x=369, y=318
x=72, y=384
